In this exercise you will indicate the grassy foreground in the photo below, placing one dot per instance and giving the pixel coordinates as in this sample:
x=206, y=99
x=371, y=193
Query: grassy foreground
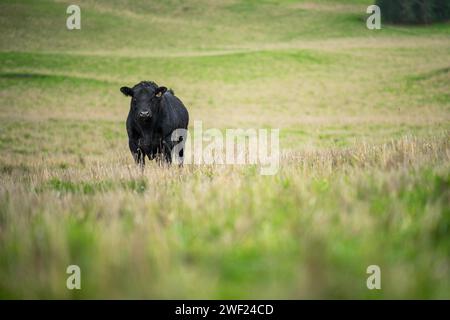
x=364, y=118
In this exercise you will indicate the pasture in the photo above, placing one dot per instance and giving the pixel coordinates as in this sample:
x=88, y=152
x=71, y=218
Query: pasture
x=364, y=178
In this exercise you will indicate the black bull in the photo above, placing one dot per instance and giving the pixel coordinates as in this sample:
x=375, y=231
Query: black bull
x=155, y=113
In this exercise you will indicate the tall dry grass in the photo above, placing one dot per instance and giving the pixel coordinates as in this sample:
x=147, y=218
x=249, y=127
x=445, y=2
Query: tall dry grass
x=227, y=232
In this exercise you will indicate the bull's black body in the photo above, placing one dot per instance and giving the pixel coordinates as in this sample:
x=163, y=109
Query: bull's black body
x=155, y=113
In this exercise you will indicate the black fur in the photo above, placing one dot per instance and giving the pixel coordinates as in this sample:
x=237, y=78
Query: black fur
x=155, y=113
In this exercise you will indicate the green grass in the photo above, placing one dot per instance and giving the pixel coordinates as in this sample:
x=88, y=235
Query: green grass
x=364, y=119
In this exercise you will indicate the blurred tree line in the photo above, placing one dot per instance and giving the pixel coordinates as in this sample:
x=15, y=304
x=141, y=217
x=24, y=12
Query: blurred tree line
x=414, y=11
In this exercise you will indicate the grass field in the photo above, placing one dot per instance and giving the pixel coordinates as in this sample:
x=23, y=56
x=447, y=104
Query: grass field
x=364, y=119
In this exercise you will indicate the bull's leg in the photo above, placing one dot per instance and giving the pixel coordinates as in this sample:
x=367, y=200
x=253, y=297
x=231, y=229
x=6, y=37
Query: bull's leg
x=177, y=150
x=141, y=158
x=138, y=155
x=167, y=151
x=133, y=145
x=181, y=155
x=180, y=146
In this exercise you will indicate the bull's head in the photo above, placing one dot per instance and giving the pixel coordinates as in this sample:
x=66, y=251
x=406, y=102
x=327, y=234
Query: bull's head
x=145, y=99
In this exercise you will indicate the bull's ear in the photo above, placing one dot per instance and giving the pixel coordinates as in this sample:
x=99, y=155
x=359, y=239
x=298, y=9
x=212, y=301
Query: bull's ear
x=127, y=91
x=160, y=91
